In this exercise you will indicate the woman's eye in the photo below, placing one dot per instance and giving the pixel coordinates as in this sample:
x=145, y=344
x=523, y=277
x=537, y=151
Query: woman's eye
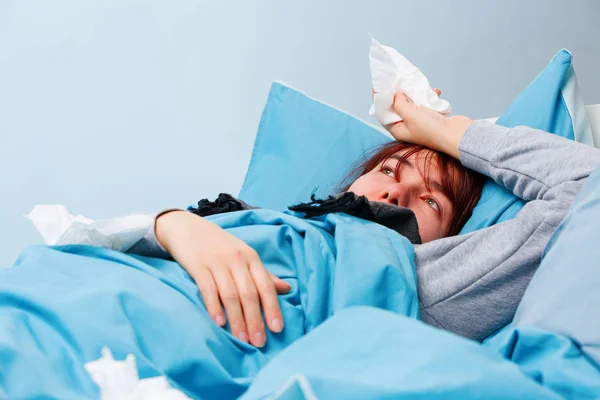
x=388, y=171
x=433, y=204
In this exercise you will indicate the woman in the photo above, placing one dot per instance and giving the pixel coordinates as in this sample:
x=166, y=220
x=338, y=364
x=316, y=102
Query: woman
x=469, y=284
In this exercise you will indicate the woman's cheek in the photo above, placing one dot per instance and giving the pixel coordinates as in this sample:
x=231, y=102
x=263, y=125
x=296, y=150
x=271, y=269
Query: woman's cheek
x=359, y=186
x=426, y=230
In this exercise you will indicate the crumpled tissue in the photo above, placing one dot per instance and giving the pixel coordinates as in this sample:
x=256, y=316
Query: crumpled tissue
x=392, y=72
x=119, y=380
x=58, y=227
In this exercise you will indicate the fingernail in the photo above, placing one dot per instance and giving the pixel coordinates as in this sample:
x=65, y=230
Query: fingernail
x=276, y=324
x=259, y=339
x=220, y=320
x=242, y=336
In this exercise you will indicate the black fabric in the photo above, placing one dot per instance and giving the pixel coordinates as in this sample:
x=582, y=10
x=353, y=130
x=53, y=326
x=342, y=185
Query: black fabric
x=224, y=203
x=399, y=219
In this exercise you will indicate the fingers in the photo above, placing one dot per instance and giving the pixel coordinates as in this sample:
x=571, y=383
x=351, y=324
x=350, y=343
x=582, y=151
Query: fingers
x=399, y=131
x=281, y=286
x=228, y=293
x=404, y=106
x=208, y=289
x=250, y=304
x=245, y=289
x=268, y=296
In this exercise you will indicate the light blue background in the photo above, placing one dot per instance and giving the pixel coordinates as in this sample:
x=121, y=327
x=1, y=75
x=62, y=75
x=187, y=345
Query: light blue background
x=117, y=106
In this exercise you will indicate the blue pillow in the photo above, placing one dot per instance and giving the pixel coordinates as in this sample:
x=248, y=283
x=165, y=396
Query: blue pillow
x=551, y=103
x=304, y=146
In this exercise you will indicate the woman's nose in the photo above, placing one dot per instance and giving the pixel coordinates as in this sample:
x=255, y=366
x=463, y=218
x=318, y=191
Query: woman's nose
x=389, y=198
x=397, y=194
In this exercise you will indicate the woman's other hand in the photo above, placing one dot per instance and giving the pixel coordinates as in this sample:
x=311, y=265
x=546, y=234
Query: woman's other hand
x=423, y=126
x=228, y=273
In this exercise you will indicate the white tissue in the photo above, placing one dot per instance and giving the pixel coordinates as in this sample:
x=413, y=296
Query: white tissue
x=58, y=227
x=391, y=73
x=119, y=380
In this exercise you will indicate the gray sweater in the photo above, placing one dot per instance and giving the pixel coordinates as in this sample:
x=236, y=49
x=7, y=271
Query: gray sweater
x=472, y=284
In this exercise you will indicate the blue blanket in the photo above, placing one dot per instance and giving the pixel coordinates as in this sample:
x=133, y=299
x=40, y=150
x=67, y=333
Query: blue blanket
x=60, y=305
x=352, y=328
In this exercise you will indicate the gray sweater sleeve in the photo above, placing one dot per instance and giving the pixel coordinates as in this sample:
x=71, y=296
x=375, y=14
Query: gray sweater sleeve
x=472, y=284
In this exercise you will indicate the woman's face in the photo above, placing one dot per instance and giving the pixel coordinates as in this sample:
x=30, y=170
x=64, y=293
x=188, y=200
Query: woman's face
x=407, y=188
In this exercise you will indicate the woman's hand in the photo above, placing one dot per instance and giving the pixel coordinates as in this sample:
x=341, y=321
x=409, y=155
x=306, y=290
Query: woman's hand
x=423, y=126
x=227, y=271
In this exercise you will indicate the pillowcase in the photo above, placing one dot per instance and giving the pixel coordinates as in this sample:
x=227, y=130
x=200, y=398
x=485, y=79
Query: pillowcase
x=551, y=103
x=304, y=146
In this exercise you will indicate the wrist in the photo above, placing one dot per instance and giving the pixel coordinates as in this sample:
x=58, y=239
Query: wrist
x=450, y=142
x=165, y=223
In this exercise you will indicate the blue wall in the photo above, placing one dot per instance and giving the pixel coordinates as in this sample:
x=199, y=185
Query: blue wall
x=117, y=106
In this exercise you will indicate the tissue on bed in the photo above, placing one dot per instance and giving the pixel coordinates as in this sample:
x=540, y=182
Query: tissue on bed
x=58, y=227
x=119, y=380
x=392, y=72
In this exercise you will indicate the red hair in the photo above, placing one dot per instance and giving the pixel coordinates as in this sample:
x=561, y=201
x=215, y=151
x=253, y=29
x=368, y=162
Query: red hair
x=460, y=185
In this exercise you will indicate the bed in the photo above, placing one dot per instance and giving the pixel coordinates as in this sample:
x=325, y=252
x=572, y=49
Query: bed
x=63, y=307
